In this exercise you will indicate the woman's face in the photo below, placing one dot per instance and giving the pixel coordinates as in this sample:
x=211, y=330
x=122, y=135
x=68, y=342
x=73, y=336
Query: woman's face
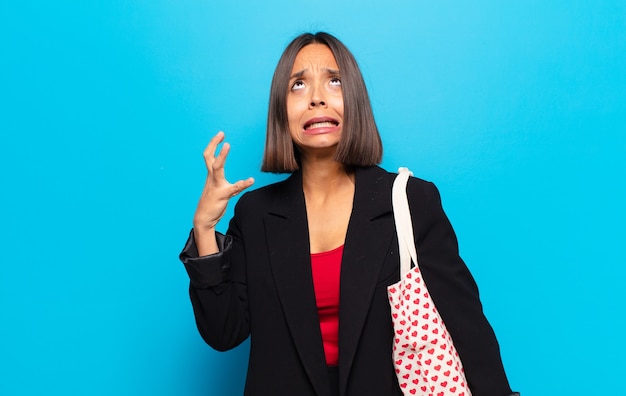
x=315, y=100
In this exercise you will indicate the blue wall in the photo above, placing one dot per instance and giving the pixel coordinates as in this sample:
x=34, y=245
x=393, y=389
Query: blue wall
x=516, y=110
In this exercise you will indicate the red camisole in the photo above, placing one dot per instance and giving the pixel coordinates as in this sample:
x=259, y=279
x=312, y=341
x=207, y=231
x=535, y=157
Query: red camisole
x=326, y=267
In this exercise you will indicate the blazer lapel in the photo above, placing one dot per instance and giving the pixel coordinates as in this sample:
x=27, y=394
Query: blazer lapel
x=370, y=233
x=288, y=243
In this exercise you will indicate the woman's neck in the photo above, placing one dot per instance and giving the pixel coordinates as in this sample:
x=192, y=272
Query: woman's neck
x=325, y=178
x=328, y=196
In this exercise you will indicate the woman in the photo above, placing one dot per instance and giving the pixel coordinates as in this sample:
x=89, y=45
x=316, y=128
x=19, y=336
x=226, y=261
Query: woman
x=305, y=264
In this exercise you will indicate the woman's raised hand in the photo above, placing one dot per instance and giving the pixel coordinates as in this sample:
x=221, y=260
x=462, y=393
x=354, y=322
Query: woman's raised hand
x=215, y=195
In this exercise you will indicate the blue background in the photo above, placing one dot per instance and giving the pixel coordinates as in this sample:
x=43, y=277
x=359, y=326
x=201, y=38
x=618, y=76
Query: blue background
x=515, y=109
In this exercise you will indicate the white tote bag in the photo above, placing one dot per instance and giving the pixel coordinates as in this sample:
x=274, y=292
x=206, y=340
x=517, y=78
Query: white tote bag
x=426, y=362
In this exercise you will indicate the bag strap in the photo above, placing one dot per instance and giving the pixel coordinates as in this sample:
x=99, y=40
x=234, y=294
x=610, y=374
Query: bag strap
x=402, y=217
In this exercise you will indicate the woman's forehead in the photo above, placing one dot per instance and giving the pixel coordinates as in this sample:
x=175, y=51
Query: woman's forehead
x=314, y=57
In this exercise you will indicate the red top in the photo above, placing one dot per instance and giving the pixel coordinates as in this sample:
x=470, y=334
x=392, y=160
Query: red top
x=326, y=267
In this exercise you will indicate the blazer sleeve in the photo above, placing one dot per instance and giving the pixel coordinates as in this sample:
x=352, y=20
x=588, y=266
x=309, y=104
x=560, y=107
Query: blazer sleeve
x=455, y=293
x=218, y=290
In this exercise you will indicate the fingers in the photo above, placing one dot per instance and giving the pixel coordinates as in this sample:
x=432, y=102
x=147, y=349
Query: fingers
x=215, y=166
x=241, y=185
x=215, y=140
x=220, y=160
x=209, y=151
x=217, y=190
x=215, y=163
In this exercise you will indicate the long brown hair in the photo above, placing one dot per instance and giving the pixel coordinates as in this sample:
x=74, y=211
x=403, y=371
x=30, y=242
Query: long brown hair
x=360, y=143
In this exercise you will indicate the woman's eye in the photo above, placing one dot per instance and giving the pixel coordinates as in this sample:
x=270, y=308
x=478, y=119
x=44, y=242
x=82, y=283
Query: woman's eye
x=297, y=85
x=335, y=81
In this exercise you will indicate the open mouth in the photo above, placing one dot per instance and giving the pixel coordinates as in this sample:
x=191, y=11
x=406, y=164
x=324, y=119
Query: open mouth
x=320, y=124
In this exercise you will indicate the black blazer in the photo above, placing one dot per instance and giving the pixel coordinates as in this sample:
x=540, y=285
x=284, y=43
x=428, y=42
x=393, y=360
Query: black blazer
x=260, y=284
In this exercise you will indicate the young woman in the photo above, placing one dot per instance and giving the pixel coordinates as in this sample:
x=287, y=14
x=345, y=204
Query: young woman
x=304, y=267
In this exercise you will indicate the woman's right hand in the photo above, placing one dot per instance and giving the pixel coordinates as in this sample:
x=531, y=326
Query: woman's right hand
x=215, y=195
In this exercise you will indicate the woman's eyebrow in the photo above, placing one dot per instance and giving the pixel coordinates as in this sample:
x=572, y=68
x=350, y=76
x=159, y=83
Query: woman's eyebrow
x=298, y=74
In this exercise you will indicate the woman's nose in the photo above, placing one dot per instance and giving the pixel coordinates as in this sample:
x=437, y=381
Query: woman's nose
x=317, y=97
x=317, y=102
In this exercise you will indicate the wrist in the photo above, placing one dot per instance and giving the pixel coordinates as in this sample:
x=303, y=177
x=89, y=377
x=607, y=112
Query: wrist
x=202, y=232
x=205, y=240
x=203, y=226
